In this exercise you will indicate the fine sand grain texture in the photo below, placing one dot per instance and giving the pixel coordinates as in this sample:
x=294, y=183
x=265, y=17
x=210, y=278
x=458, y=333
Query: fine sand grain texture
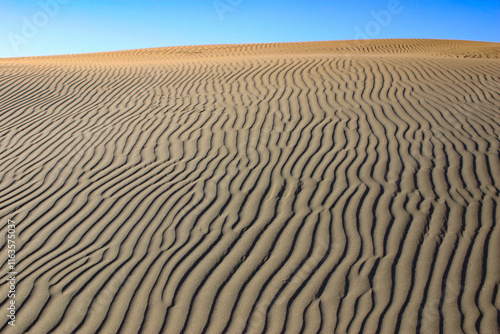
x=302, y=187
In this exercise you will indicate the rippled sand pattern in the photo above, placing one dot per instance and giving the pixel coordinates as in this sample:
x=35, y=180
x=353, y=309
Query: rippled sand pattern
x=304, y=187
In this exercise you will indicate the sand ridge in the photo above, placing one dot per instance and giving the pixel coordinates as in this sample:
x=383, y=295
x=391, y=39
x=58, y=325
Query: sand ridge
x=348, y=186
x=396, y=47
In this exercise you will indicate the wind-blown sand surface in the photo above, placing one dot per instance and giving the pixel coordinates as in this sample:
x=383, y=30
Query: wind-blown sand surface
x=302, y=187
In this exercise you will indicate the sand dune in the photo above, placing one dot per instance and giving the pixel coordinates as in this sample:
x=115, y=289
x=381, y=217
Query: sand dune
x=297, y=187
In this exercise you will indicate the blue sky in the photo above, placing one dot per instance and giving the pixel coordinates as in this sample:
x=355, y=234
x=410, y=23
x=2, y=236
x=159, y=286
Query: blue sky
x=45, y=27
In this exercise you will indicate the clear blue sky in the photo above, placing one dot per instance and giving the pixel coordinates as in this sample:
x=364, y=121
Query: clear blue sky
x=45, y=27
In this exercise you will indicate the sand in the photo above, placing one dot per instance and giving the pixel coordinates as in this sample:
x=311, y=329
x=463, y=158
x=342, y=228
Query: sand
x=347, y=186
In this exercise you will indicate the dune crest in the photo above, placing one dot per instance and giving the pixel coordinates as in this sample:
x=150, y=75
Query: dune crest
x=348, y=186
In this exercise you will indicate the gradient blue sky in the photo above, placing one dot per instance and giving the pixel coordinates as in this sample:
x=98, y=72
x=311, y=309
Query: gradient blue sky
x=79, y=26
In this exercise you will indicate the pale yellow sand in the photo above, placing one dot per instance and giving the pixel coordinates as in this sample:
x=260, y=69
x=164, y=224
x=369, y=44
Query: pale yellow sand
x=304, y=187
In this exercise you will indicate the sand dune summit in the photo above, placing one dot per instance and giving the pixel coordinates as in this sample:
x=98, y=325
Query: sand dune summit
x=324, y=187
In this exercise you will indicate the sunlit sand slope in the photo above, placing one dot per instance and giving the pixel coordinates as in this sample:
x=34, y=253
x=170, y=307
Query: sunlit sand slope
x=306, y=187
